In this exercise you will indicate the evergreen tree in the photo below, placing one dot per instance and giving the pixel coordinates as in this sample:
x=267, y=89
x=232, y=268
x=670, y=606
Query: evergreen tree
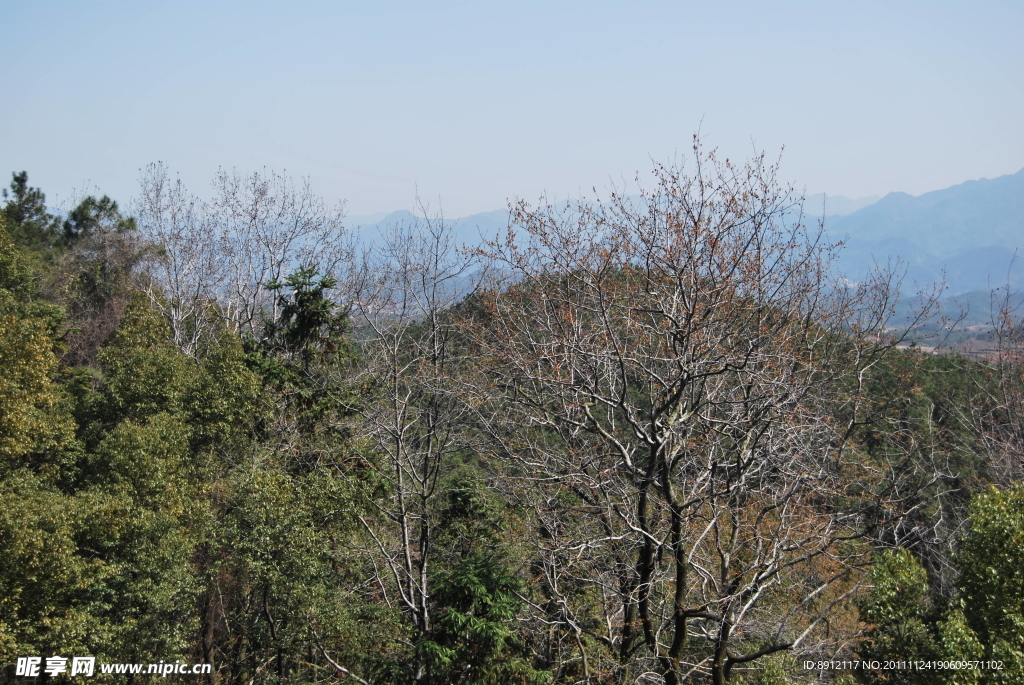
x=28, y=221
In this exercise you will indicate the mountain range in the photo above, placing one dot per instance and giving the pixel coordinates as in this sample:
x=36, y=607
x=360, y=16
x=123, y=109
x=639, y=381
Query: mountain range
x=966, y=236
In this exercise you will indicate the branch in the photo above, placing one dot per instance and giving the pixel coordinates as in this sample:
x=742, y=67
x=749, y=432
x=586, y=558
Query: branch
x=341, y=669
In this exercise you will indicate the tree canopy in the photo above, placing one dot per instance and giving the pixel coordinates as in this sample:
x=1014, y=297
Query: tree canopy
x=636, y=440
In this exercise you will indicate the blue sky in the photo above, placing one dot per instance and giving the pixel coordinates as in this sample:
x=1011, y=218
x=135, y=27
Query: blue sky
x=472, y=103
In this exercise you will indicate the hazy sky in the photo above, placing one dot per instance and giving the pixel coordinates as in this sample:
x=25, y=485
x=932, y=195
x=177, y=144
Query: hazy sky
x=474, y=103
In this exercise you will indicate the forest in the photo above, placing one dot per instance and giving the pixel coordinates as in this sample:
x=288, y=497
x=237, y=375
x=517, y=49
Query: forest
x=639, y=439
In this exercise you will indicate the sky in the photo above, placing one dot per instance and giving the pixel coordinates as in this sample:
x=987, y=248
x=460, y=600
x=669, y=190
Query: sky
x=468, y=105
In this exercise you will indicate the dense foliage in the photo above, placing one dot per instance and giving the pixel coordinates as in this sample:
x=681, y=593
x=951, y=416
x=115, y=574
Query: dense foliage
x=658, y=449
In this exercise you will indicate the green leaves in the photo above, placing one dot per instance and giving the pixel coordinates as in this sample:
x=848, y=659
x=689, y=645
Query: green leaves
x=984, y=621
x=900, y=609
x=93, y=215
x=991, y=584
x=310, y=323
x=899, y=589
x=476, y=640
x=47, y=598
x=28, y=221
x=35, y=425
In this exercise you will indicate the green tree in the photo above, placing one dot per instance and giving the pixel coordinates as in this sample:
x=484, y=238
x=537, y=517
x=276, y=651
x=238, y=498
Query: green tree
x=283, y=588
x=92, y=216
x=35, y=426
x=477, y=593
x=902, y=616
x=51, y=593
x=310, y=327
x=984, y=620
x=475, y=640
x=991, y=583
x=45, y=582
x=28, y=221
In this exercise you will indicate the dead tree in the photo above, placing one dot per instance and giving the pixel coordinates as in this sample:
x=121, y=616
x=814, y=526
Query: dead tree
x=674, y=381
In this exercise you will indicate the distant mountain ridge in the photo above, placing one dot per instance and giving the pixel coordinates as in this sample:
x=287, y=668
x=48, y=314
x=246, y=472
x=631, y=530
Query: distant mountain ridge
x=371, y=226
x=835, y=205
x=468, y=229
x=967, y=235
x=971, y=231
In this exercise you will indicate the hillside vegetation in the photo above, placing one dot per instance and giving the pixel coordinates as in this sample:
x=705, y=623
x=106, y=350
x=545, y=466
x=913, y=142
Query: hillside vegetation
x=639, y=440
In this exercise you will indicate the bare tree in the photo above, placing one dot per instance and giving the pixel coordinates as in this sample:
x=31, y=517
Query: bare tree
x=218, y=257
x=268, y=226
x=411, y=410
x=998, y=418
x=189, y=273
x=675, y=382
